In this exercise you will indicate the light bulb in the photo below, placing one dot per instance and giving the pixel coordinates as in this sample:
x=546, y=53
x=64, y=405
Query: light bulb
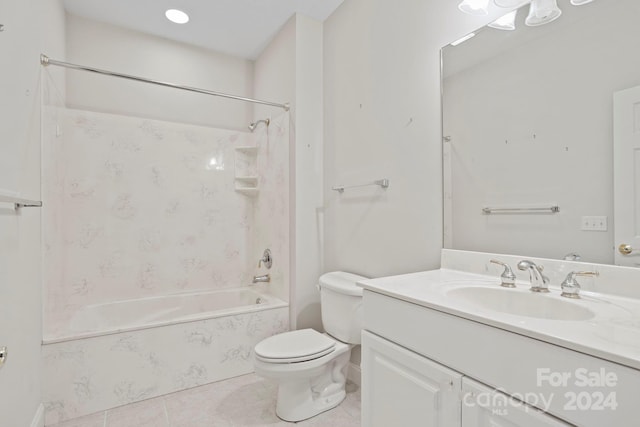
x=542, y=12
x=506, y=22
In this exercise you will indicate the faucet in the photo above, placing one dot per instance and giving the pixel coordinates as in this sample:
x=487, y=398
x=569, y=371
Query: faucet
x=571, y=287
x=262, y=279
x=266, y=259
x=507, y=276
x=539, y=282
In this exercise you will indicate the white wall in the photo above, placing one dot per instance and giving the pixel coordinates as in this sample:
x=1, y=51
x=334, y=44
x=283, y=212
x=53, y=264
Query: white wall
x=497, y=161
x=290, y=70
x=308, y=172
x=382, y=120
x=117, y=49
x=274, y=80
x=31, y=27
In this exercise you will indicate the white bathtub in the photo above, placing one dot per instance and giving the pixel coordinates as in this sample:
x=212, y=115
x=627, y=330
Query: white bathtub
x=130, y=315
x=128, y=351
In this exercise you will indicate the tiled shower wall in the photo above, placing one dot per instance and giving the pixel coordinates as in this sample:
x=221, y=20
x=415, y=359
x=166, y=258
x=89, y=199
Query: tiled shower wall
x=137, y=208
x=271, y=210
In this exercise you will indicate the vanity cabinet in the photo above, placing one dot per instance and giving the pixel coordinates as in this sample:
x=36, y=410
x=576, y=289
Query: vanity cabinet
x=420, y=364
x=402, y=388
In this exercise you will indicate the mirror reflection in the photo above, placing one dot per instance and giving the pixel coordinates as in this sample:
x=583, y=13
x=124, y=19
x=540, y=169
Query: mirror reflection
x=539, y=127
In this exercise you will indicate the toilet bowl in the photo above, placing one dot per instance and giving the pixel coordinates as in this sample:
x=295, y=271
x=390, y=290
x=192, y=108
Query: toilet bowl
x=311, y=367
x=308, y=384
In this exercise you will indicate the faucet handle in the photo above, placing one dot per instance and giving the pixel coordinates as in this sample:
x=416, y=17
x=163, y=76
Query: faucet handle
x=571, y=287
x=507, y=276
x=266, y=259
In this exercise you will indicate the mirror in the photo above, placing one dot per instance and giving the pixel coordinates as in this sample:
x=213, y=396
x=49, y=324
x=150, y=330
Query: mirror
x=528, y=124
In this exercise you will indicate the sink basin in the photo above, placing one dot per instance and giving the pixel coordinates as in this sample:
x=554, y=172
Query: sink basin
x=522, y=303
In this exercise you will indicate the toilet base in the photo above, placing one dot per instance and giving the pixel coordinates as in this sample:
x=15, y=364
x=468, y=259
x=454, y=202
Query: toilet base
x=304, y=396
x=307, y=408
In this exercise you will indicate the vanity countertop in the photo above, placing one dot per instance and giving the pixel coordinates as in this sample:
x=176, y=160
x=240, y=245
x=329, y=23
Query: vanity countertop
x=613, y=333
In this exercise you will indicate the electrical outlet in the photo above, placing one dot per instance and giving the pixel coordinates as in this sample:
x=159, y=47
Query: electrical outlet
x=594, y=223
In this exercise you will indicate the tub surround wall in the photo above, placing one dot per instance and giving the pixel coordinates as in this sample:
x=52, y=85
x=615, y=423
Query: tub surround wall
x=271, y=207
x=137, y=208
x=94, y=374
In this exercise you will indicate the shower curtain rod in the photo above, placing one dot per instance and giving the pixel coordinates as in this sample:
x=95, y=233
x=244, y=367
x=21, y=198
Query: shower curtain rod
x=45, y=61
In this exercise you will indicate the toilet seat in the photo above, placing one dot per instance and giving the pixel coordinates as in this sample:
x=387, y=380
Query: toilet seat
x=295, y=346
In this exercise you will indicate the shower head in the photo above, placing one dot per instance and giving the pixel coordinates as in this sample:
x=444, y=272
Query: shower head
x=254, y=125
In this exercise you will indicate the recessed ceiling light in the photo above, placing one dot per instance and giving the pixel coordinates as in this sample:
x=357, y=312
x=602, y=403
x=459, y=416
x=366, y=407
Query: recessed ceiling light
x=177, y=16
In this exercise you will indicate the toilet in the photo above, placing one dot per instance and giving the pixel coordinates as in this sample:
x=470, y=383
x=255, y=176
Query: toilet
x=311, y=367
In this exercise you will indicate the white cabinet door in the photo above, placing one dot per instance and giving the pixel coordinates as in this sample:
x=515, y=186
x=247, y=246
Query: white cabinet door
x=485, y=407
x=403, y=389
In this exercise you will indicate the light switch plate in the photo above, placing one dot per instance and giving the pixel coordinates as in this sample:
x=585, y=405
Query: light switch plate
x=594, y=223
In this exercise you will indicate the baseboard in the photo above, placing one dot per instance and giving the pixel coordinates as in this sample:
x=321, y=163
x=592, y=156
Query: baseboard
x=38, y=418
x=354, y=374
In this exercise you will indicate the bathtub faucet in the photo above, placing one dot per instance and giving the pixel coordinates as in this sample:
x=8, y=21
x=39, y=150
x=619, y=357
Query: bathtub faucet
x=262, y=279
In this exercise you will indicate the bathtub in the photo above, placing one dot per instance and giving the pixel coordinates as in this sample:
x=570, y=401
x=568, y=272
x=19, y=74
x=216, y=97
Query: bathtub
x=134, y=314
x=127, y=351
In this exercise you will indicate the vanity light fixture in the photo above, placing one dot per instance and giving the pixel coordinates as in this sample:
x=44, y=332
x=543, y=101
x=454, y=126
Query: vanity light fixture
x=505, y=22
x=510, y=3
x=177, y=16
x=474, y=7
x=542, y=12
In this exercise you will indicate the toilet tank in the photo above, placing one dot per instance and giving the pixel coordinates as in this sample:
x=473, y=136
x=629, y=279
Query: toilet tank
x=341, y=305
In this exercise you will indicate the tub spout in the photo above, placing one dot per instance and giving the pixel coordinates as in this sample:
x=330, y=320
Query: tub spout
x=262, y=279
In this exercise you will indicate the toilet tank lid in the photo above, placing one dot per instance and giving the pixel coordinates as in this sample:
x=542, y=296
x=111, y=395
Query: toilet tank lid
x=342, y=282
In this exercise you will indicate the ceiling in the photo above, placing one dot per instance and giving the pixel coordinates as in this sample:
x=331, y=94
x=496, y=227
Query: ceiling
x=240, y=28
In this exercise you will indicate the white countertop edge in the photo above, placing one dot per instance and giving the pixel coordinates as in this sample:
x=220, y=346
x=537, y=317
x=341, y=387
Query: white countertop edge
x=374, y=285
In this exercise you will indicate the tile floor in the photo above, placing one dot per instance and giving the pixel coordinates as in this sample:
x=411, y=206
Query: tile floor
x=246, y=401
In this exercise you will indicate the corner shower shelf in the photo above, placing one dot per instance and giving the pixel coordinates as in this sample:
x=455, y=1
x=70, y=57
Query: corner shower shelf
x=249, y=181
x=246, y=178
x=248, y=149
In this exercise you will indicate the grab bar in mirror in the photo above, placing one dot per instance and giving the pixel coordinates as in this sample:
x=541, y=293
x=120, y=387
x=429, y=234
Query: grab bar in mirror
x=19, y=202
x=506, y=210
x=384, y=183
